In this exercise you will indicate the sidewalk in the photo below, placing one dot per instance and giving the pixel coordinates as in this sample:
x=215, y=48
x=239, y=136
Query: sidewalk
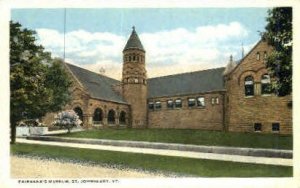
x=168, y=152
x=256, y=152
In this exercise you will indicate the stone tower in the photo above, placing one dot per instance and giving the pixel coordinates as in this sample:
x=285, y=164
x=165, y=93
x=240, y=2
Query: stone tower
x=134, y=80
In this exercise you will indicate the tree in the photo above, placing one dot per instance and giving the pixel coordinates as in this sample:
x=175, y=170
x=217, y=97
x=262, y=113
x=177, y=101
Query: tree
x=279, y=35
x=38, y=83
x=67, y=119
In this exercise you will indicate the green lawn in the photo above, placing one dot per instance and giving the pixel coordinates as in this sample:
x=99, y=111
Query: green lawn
x=186, y=136
x=165, y=164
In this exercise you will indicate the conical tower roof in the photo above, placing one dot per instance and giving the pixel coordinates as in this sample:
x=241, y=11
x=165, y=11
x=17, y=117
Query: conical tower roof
x=134, y=41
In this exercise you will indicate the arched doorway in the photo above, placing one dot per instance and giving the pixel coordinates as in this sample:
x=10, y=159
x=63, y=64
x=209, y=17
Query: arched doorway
x=98, y=116
x=111, y=117
x=79, y=112
x=122, y=118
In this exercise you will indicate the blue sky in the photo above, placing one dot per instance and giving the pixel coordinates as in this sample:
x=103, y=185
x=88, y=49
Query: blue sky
x=176, y=40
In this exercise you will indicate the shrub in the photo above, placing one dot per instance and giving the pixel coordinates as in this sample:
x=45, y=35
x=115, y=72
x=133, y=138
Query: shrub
x=67, y=119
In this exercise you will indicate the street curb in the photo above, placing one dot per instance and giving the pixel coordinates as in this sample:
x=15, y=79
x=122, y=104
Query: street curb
x=257, y=152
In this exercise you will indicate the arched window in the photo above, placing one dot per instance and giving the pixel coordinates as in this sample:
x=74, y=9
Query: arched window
x=265, y=84
x=257, y=56
x=79, y=112
x=122, y=118
x=111, y=117
x=265, y=55
x=98, y=116
x=129, y=58
x=249, y=86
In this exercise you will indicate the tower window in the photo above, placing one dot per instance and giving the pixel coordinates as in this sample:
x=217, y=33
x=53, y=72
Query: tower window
x=249, y=86
x=170, y=103
x=191, y=102
x=178, y=103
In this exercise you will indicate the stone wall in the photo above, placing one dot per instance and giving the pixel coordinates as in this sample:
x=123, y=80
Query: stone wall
x=243, y=111
x=209, y=117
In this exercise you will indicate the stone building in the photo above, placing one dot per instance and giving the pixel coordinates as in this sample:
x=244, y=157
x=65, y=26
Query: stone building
x=231, y=98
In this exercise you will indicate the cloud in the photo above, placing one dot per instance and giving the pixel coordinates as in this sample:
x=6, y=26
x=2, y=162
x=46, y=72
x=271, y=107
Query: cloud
x=167, y=52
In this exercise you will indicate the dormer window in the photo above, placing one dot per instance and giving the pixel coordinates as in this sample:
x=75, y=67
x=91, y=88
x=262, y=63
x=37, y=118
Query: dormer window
x=257, y=56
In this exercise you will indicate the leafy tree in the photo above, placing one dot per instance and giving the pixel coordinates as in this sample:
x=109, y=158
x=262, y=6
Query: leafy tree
x=279, y=35
x=38, y=83
x=67, y=119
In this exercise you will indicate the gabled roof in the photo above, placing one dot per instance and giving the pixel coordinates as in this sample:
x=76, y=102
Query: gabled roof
x=96, y=85
x=187, y=83
x=134, y=42
x=239, y=62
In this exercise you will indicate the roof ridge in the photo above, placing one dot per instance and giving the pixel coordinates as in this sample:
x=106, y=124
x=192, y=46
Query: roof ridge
x=192, y=72
x=91, y=71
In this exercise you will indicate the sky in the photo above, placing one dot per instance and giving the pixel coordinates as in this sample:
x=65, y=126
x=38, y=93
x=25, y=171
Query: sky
x=176, y=40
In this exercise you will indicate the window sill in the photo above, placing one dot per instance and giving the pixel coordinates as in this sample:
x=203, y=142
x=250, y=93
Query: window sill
x=251, y=96
x=275, y=131
x=257, y=131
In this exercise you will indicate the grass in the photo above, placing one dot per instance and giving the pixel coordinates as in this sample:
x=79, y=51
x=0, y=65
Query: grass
x=186, y=136
x=165, y=164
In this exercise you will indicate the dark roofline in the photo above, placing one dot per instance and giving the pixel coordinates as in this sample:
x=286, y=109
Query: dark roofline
x=91, y=71
x=113, y=101
x=192, y=72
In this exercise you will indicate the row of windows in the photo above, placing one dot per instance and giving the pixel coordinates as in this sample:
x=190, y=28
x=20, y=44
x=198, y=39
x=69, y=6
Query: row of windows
x=265, y=55
x=265, y=85
x=98, y=116
x=275, y=127
x=192, y=102
x=134, y=58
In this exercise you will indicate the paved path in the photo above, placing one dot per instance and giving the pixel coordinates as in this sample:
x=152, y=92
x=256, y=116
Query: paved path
x=166, y=152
